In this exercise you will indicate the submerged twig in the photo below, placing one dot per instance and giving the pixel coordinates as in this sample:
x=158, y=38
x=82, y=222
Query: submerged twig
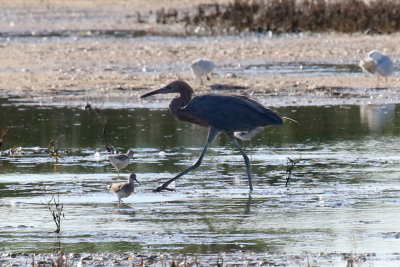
x=290, y=168
x=3, y=134
x=13, y=151
x=104, y=128
x=56, y=210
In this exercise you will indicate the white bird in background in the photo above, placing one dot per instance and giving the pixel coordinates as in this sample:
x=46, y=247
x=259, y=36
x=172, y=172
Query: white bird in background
x=248, y=135
x=202, y=67
x=124, y=189
x=120, y=161
x=377, y=63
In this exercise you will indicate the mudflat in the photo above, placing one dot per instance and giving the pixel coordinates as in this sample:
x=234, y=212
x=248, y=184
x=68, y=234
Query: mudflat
x=115, y=49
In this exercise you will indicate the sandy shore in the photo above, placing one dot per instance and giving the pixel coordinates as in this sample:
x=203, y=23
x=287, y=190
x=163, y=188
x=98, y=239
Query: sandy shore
x=133, y=4
x=104, y=68
x=83, y=65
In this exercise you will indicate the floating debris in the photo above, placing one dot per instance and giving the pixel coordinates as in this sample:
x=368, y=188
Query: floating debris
x=15, y=151
x=87, y=107
x=97, y=156
x=53, y=150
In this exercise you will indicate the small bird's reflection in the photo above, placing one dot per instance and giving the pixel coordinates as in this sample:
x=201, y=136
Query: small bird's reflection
x=124, y=209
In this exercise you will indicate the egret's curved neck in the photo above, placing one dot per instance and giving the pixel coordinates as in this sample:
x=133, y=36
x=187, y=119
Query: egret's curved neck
x=180, y=102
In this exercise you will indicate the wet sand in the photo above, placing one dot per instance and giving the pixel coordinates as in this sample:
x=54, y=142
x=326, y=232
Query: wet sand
x=87, y=65
x=103, y=69
x=166, y=259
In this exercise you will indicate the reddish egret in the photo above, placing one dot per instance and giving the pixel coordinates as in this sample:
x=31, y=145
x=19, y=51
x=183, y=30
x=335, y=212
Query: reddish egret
x=202, y=67
x=124, y=189
x=120, y=161
x=377, y=63
x=227, y=114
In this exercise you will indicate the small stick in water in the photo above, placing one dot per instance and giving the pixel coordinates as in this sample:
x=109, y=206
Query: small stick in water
x=290, y=168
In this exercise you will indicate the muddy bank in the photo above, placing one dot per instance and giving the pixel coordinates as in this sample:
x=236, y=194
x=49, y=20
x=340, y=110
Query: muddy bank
x=166, y=259
x=78, y=51
x=114, y=69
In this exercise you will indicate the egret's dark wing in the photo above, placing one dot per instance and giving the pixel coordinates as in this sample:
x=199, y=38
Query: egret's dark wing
x=190, y=116
x=232, y=113
x=121, y=157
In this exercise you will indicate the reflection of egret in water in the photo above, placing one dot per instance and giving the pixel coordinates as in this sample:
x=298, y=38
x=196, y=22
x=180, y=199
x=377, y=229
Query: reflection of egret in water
x=248, y=205
x=376, y=117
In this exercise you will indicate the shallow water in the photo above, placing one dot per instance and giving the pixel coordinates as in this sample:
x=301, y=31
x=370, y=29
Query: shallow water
x=296, y=69
x=342, y=197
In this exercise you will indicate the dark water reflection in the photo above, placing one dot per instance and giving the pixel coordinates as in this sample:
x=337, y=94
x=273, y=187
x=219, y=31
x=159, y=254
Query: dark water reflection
x=143, y=128
x=344, y=191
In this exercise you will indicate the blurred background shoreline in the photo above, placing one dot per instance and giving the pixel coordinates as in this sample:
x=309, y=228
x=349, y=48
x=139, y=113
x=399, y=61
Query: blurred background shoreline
x=69, y=51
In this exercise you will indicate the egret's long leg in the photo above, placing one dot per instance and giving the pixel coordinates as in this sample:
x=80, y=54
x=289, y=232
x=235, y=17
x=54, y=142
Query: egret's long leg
x=211, y=135
x=246, y=159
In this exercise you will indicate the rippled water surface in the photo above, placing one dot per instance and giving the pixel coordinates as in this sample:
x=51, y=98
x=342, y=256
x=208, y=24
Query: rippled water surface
x=343, y=195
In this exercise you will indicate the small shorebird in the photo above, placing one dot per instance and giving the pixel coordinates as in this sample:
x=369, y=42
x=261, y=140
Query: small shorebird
x=120, y=161
x=248, y=135
x=202, y=67
x=377, y=63
x=124, y=189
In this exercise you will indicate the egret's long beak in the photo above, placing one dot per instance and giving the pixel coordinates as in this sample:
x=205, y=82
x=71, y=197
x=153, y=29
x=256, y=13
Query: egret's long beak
x=158, y=91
